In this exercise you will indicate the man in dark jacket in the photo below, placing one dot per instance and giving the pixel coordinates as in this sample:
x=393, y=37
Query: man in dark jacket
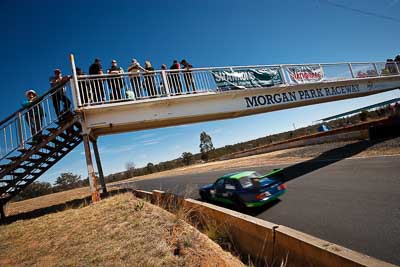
x=188, y=76
x=174, y=78
x=59, y=95
x=96, y=84
x=115, y=83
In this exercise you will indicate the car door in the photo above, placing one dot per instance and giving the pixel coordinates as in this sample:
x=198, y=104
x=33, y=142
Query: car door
x=218, y=189
x=230, y=188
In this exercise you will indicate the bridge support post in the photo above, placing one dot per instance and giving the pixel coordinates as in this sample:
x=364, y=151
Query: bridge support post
x=99, y=168
x=92, y=177
x=2, y=212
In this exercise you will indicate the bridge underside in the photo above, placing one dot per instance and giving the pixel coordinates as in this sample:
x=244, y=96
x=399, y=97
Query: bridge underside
x=162, y=112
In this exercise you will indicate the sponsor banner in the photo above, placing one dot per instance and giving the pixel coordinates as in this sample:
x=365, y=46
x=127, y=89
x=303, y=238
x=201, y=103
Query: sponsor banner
x=305, y=74
x=248, y=78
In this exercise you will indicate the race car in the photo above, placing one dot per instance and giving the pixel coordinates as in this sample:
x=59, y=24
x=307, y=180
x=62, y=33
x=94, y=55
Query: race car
x=245, y=189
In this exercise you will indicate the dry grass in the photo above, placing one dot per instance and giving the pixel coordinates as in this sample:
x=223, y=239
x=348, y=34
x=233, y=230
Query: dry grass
x=49, y=200
x=119, y=231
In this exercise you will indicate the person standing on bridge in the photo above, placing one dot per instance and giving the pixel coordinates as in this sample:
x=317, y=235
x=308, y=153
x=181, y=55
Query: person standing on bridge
x=149, y=79
x=397, y=61
x=59, y=94
x=96, y=84
x=116, y=82
x=175, y=78
x=188, y=76
x=34, y=115
x=134, y=74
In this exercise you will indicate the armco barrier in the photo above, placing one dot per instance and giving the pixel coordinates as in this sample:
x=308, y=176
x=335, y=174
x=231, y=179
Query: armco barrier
x=268, y=244
x=352, y=132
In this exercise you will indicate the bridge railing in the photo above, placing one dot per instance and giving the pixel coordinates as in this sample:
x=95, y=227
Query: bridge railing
x=28, y=123
x=112, y=88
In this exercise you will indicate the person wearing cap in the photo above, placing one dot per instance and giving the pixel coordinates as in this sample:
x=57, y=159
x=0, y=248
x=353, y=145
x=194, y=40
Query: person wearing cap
x=188, y=76
x=34, y=115
x=95, y=84
x=115, y=82
x=163, y=87
x=175, y=78
x=134, y=70
x=59, y=96
x=149, y=79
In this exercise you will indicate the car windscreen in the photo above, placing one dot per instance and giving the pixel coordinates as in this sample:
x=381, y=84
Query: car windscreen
x=246, y=181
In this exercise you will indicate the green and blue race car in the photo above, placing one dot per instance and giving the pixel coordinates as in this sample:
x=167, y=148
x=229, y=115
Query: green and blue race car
x=245, y=189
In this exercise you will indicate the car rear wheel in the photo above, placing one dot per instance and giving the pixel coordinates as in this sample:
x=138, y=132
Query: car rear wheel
x=203, y=196
x=239, y=204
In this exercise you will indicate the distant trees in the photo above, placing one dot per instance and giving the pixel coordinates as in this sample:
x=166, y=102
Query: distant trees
x=206, y=145
x=35, y=189
x=363, y=115
x=68, y=180
x=187, y=158
x=150, y=167
x=130, y=168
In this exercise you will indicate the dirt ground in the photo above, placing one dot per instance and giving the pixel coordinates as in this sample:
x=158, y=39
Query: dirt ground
x=119, y=231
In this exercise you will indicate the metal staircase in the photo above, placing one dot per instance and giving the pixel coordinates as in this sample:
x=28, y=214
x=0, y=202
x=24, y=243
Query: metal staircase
x=33, y=139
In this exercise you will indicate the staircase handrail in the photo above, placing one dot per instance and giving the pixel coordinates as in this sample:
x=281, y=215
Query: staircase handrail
x=21, y=126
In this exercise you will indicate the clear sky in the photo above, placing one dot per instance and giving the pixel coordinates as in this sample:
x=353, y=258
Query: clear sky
x=38, y=36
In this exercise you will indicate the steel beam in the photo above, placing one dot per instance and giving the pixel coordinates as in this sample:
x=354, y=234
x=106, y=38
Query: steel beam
x=92, y=177
x=99, y=168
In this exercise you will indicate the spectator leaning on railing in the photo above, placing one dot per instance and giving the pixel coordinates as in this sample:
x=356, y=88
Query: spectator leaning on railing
x=34, y=115
x=96, y=84
x=115, y=83
x=149, y=79
x=59, y=95
x=188, y=76
x=175, y=81
x=134, y=75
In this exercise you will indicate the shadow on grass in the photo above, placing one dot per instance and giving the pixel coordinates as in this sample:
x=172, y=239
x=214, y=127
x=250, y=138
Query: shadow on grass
x=73, y=204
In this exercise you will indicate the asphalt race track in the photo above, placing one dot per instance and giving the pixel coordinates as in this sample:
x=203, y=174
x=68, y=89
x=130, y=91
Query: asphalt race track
x=351, y=202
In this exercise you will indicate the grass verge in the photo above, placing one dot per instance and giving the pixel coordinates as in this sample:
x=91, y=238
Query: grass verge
x=119, y=231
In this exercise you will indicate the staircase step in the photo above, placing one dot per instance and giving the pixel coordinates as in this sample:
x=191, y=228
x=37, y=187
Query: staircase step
x=52, y=130
x=22, y=150
x=14, y=158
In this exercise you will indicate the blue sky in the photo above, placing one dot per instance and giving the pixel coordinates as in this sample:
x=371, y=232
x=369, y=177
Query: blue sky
x=38, y=36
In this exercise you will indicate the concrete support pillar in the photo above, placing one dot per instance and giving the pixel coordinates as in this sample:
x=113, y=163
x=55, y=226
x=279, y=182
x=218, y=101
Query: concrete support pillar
x=92, y=177
x=99, y=168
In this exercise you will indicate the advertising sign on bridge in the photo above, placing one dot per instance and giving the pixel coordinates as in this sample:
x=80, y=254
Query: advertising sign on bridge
x=247, y=78
x=305, y=74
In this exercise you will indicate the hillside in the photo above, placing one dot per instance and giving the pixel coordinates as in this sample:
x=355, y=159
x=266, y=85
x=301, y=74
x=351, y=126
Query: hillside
x=119, y=231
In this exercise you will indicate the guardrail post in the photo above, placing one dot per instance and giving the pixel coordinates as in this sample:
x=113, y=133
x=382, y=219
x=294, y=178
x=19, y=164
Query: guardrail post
x=351, y=70
x=20, y=132
x=165, y=82
x=283, y=74
x=376, y=69
x=74, y=85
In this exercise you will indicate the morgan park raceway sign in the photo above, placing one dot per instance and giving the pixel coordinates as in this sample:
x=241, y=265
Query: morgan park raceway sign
x=303, y=95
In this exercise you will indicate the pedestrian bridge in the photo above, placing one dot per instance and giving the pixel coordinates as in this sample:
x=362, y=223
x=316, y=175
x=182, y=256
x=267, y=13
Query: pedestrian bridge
x=35, y=138
x=130, y=102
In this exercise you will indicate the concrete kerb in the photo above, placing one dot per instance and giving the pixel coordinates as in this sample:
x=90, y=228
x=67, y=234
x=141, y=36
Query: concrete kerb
x=266, y=242
x=302, y=249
